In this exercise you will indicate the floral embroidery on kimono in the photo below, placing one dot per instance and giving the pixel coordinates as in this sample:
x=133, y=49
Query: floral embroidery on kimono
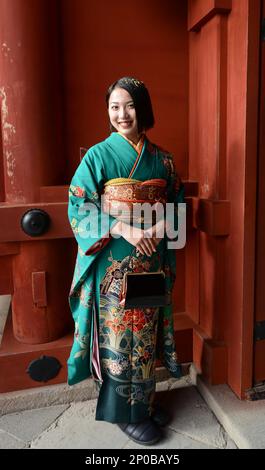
x=129, y=340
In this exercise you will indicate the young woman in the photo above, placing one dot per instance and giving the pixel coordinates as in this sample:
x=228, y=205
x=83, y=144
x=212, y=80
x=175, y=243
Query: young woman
x=115, y=345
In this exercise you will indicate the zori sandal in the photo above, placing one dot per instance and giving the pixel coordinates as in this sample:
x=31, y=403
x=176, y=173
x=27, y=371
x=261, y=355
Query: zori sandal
x=146, y=432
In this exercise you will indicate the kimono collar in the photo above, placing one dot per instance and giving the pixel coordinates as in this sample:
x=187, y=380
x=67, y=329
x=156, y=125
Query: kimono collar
x=138, y=147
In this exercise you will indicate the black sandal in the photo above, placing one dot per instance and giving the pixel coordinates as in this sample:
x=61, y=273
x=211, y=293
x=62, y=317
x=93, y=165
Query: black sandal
x=146, y=432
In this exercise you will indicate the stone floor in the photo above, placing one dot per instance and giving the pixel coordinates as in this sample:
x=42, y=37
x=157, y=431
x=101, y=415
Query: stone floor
x=72, y=426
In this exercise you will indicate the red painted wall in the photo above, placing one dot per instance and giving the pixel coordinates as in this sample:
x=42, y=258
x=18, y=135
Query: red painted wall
x=103, y=41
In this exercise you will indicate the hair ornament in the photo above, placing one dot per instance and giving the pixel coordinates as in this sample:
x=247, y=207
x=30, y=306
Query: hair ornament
x=133, y=81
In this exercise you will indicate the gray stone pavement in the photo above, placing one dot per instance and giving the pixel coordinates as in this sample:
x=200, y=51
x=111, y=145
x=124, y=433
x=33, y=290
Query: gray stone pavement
x=71, y=425
x=243, y=420
x=62, y=417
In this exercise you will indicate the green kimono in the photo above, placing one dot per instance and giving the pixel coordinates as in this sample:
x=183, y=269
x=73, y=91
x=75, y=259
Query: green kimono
x=127, y=339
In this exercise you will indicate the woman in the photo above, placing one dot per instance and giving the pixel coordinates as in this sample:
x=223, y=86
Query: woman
x=115, y=345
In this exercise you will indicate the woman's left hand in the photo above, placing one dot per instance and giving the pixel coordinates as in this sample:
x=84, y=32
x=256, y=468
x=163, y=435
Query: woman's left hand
x=156, y=232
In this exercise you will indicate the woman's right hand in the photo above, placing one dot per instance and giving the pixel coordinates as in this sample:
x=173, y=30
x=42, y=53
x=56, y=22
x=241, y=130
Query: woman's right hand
x=136, y=237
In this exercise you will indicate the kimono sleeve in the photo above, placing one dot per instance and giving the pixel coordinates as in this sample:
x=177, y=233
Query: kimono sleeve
x=166, y=349
x=90, y=225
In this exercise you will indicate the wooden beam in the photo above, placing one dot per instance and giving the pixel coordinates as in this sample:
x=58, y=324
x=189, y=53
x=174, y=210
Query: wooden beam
x=201, y=11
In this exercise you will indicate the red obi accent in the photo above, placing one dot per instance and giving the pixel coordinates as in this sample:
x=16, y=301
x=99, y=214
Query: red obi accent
x=97, y=246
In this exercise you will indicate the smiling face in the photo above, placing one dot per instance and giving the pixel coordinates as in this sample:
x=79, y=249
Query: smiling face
x=122, y=114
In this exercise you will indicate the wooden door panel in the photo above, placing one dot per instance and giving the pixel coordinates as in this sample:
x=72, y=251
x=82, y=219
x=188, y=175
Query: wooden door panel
x=259, y=329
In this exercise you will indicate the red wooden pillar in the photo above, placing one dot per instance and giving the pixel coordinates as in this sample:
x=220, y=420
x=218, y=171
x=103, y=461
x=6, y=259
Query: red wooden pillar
x=259, y=332
x=31, y=125
x=224, y=44
x=207, y=24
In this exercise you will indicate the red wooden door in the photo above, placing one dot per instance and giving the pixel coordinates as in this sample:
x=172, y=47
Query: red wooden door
x=220, y=261
x=259, y=330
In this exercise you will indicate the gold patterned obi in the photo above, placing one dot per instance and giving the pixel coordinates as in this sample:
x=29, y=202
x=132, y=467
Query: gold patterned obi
x=123, y=197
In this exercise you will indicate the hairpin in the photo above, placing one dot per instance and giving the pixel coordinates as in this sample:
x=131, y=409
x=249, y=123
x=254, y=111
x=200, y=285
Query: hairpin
x=134, y=81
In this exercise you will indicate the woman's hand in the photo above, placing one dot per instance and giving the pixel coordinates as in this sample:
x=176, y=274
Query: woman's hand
x=156, y=232
x=145, y=241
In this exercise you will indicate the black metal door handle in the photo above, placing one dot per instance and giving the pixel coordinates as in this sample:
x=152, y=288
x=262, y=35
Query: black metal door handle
x=35, y=222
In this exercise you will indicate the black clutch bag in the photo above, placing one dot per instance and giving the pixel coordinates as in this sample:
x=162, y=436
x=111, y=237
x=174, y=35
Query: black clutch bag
x=144, y=290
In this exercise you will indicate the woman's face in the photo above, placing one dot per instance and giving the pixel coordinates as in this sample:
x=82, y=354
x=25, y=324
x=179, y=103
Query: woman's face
x=122, y=113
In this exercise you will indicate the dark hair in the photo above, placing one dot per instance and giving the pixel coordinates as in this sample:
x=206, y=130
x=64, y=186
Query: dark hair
x=141, y=99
